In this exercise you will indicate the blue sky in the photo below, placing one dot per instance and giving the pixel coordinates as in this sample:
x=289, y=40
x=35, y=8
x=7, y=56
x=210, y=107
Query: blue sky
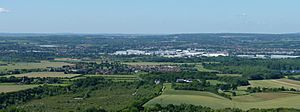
x=149, y=16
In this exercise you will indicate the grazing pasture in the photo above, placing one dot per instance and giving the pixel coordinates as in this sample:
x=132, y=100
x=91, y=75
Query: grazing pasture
x=296, y=76
x=154, y=63
x=201, y=68
x=256, y=100
x=276, y=83
x=215, y=82
x=229, y=75
x=42, y=64
x=11, y=87
x=45, y=75
x=117, y=78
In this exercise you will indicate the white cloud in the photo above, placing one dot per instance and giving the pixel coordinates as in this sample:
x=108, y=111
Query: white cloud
x=3, y=10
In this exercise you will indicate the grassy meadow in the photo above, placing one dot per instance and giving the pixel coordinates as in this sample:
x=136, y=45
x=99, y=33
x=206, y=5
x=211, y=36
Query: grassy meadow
x=229, y=75
x=276, y=83
x=256, y=100
x=44, y=75
x=117, y=78
x=155, y=63
x=42, y=64
x=12, y=87
x=215, y=82
x=201, y=68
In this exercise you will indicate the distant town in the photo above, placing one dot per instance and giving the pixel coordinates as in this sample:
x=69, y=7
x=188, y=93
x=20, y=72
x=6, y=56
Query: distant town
x=198, y=53
x=174, y=53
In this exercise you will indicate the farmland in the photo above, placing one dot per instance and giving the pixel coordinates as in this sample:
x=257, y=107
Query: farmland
x=154, y=63
x=100, y=78
x=276, y=83
x=256, y=100
x=229, y=75
x=215, y=82
x=42, y=64
x=296, y=76
x=151, y=63
x=11, y=87
x=200, y=68
x=45, y=75
x=117, y=78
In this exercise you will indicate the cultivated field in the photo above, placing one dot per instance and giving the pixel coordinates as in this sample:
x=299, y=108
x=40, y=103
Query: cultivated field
x=296, y=76
x=257, y=100
x=117, y=78
x=278, y=83
x=200, y=68
x=66, y=59
x=160, y=63
x=10, y=87
x=43, y=64
x=215, y=82
x=45, y=74
x=154, y=63
x=229, y=75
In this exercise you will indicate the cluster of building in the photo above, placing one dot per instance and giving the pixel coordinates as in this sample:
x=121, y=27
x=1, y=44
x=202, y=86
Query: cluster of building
x=155, y=68
x=173, y=53
x=184, y=80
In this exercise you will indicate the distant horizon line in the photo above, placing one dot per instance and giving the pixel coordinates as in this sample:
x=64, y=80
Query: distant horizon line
x=79, y=33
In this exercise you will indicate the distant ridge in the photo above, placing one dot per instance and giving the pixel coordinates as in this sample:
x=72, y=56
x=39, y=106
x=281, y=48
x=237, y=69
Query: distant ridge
x=136, y=34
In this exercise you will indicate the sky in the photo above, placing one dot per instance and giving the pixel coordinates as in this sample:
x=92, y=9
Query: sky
x=149, y=16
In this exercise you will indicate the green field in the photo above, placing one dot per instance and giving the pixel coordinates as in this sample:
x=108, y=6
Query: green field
x=201, y=68
x=257, y=100
x=44, y=75
x=63, y=84
x=117, y=78
x=278, y=83
x=296, y=76
x=67, y=59
x=43, y=64
x=11, y=87
x=229, y=75
x=154, y=63
x=215, y=82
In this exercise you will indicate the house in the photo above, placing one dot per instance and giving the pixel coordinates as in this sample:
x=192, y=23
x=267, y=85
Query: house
x=157, y=81
x=184, y=80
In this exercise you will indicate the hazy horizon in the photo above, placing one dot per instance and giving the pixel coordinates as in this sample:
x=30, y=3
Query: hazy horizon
x=150, y=17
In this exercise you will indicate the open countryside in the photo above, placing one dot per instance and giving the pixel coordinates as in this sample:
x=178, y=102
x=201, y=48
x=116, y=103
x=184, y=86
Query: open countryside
x=42, y=64
x=149, y=56
x=257, y=100
x=11, y=87
x=278, y=83
x=45, y=75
